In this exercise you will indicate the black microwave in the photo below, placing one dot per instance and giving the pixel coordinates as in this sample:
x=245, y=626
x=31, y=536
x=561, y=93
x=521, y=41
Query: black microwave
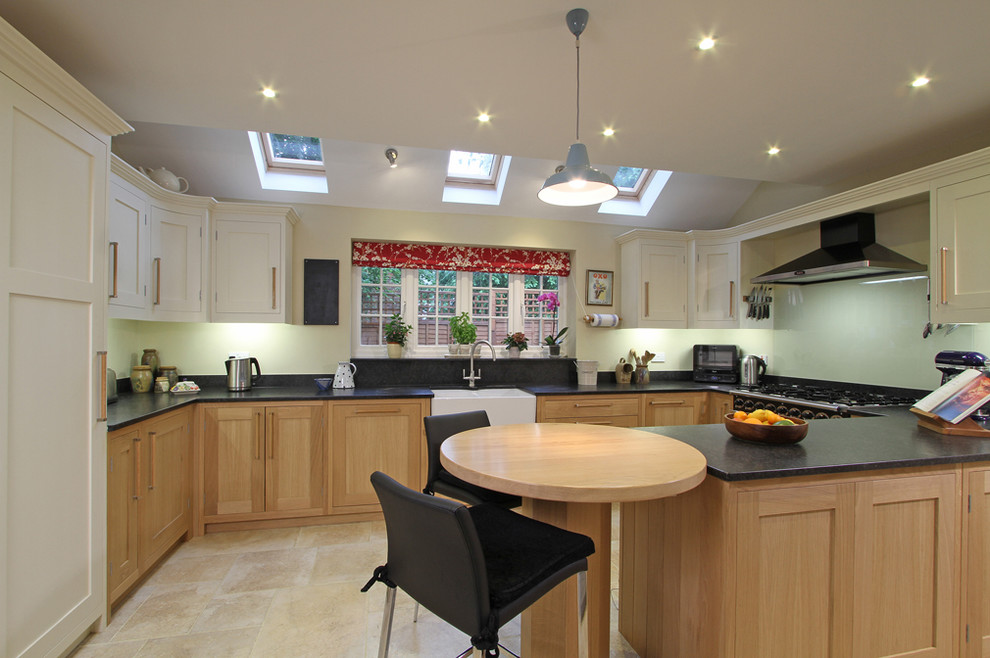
x=716, y=363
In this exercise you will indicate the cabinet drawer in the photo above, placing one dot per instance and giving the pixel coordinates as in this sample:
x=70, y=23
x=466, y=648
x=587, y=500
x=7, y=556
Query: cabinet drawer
x=612, y=421
x=585, y=406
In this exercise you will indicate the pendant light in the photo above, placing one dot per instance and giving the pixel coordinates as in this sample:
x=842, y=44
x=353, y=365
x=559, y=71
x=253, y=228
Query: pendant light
x=577, y=183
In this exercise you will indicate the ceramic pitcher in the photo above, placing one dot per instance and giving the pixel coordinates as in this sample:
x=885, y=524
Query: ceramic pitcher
x=344, y=377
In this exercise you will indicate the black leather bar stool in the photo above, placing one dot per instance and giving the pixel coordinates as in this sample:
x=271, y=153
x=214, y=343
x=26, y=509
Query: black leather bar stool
x=474, y=567
x=439, y=480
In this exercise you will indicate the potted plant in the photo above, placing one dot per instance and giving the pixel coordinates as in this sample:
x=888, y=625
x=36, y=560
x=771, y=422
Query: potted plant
x=395, y=335
x=553, y=341
x=515, y=343
x=462, y=330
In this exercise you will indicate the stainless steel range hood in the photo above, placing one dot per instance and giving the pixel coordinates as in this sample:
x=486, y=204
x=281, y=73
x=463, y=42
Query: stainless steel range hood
x=848, y=251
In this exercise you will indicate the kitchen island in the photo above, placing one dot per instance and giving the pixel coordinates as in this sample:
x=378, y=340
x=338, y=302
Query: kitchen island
x=869, y=538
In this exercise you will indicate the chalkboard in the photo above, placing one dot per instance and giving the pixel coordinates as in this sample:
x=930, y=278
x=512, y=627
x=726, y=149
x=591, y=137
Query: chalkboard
x=321, y=291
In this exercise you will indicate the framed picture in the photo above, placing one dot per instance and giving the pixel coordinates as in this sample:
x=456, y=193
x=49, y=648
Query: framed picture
x=600, y=287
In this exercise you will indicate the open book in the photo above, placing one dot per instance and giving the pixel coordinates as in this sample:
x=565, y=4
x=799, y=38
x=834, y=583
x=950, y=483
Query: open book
x=959, y=397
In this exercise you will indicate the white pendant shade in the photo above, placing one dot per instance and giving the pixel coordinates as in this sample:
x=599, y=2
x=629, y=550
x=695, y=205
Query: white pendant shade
x=578, y=183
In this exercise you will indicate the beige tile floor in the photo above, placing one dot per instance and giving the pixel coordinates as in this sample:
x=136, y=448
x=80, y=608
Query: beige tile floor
x=284, y=592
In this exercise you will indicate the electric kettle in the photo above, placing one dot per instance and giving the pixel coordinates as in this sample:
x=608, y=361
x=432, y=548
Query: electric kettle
x=344, y=377
x=239, y=377
x=753, y=367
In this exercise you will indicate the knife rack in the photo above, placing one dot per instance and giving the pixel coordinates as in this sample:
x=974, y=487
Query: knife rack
x=965, y=427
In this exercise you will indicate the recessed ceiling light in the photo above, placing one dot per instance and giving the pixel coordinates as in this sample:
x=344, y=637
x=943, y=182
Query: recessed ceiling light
x=484, y=118
x=707, y=43
x=608, y=132
x=920, y=81
x=773, y=150
x=268, y=92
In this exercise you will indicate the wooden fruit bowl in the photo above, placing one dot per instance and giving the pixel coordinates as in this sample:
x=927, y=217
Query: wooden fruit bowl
x=776, y=434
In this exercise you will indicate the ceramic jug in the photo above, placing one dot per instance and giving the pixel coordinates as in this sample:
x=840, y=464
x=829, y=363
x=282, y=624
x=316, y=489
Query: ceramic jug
x=344, y=377
x=166, y=179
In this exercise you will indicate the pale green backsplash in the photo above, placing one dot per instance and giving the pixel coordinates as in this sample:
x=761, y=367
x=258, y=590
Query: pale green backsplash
x=842, y=331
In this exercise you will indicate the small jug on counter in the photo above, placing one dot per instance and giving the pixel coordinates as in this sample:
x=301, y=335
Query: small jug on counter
x=623, y=372
x=150, y=358
x=344, y=377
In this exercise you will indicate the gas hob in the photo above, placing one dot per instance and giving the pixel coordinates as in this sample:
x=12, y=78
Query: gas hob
x=809, y=402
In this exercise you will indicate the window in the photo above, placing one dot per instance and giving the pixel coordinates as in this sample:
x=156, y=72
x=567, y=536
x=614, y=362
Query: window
x=381, y=296
x=630, y=181
x=473, y=168
x=292, y=152
x=498, y=304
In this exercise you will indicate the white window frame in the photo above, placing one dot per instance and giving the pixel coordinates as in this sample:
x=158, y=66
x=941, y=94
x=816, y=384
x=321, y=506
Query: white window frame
x=409, y=289
x=289, y=164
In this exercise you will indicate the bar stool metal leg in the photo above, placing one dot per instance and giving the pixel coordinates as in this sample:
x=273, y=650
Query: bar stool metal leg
x=387, y=622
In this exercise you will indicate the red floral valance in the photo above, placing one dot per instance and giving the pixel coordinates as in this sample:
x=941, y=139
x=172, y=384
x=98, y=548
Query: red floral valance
x=459, y=258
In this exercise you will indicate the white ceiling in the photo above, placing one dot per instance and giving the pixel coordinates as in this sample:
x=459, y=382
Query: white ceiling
x=828, y=82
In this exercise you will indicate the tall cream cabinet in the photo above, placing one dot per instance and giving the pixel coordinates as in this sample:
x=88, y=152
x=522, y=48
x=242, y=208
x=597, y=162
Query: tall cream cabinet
x=715, y=285
x=252, y=255
x=960, y=270
x=54, y=169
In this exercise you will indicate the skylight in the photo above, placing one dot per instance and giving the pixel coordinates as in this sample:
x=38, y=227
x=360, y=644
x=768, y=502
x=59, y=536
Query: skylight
x=292, y=152
x=473, y=168
x=630, y=181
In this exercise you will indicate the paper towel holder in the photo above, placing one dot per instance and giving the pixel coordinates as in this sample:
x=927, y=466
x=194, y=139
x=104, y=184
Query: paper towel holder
x=588, y=319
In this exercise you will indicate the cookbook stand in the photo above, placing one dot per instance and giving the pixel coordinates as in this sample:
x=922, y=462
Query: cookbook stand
x=965, y=427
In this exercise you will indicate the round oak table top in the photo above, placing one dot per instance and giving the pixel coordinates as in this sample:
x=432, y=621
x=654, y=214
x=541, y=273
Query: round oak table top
x=573, y=462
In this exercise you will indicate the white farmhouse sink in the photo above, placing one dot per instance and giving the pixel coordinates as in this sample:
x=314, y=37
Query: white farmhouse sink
x=505, y=406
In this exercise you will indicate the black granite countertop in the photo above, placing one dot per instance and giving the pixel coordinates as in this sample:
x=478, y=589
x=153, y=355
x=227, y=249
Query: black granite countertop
x=838, y=445
x=602, y=388
x=134, y=407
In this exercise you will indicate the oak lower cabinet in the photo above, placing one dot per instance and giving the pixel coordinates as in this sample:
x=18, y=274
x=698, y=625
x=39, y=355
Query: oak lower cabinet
x=719, y=404
x=685, y=408
x=374, y=435
x=148, y=496
x=263, y=462
x=975, y=636
x=616, y=410
x=844, y=565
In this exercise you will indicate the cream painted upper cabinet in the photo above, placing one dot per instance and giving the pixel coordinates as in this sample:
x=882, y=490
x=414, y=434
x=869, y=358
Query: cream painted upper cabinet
x=130, y=249
x=716, y=285
x=161, y=258
x=654, y=281
x=960, y=270
x=252, y=260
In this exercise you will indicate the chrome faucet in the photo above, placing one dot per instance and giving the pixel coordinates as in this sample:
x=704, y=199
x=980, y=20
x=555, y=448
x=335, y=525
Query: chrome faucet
x=472, y=378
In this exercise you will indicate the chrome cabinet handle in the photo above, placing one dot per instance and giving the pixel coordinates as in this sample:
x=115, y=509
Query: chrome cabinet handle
x=101, y=380
x=137, y=468
x=732, y=294
x=273, y=289
x=158, y=281
x=646, y=293
x=943, y=256
x=151, y=460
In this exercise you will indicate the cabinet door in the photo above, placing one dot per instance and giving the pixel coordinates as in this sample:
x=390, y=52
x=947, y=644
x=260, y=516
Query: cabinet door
x=123, y=463
x=716, y=290
x=233, y=460
x=976, y=565
x=719, y=404
x=130, y=242
x=960, y=269
x=673, y=408
x=53, y=295
x=793, y=561
x=248, y=271
x=164, y=508
x=177, y=263
x=906, y=547
x=663, y=286
x=373, y=436
x=295, y=461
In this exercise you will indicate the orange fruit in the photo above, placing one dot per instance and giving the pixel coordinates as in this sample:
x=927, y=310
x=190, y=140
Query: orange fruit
x=740, y=415
x=753, y=421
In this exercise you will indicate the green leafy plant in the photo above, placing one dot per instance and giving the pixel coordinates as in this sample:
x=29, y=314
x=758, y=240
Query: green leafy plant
x=396, y=330
x=462, y=330
x=517, y=339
